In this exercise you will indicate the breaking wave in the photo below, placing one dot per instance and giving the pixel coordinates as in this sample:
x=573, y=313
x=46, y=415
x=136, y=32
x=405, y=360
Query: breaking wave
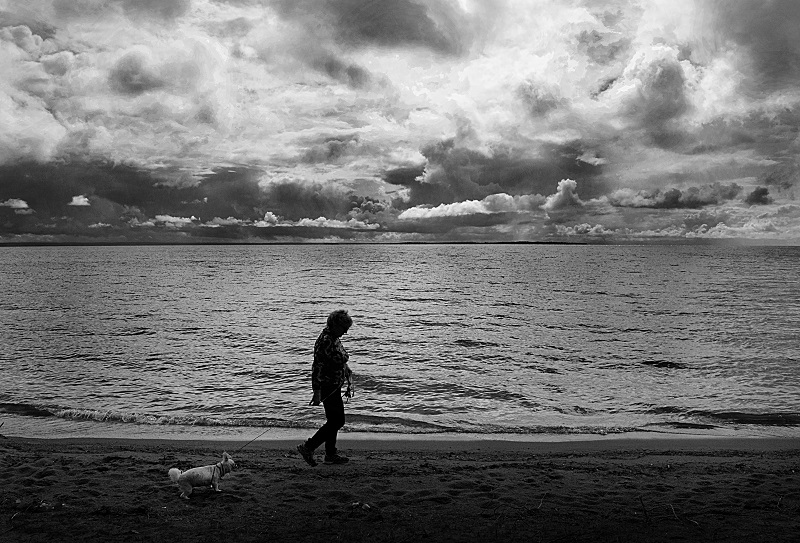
x=699, y=418
x=355, y=422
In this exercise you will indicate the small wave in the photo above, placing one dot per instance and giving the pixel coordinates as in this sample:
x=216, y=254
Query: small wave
x=363, y=423
x=704, y=418
x=137, y=332
x=760, y=419
x=428, y=324
x=25, y=410
x=552, y=430
x=155, y=419
x=355, y=422
x=664, y=364
x=188, y=330
x=665, y=410
x=508, y=304
x=683, y=425
x=472, y=343
x=421, y=300
x=403, y=425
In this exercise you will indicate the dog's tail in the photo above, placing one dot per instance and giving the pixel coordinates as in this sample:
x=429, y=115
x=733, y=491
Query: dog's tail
x=174, y=473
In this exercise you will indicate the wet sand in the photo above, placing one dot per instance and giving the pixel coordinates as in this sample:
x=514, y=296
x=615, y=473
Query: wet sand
x=637, y=490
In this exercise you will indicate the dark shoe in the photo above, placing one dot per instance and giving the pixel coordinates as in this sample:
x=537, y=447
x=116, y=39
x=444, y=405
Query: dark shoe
x=307, y=454
x=336, y=458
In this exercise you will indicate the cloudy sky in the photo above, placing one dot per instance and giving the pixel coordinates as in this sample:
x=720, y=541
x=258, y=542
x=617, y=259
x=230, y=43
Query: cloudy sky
x=399, y=120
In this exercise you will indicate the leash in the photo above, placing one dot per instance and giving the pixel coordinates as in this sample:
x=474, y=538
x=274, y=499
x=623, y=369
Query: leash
x=349, y=393
x=249, y=442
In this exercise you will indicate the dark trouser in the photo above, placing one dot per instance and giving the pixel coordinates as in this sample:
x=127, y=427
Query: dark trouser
x=334, y=415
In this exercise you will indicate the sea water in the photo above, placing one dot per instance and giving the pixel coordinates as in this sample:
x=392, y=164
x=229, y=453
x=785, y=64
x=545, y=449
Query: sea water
x=478, y=339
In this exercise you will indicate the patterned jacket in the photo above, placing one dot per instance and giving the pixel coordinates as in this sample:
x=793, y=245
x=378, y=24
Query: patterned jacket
x=329, y=369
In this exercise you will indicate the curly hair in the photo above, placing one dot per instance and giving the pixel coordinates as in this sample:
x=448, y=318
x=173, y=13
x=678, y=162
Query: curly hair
x=340, y=320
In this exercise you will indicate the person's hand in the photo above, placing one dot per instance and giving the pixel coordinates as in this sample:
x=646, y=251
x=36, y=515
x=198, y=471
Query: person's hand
x=315, y=400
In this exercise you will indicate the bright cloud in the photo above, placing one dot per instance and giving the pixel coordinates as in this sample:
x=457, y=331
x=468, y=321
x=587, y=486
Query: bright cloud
x=494, y=203
x=566, y=197
x=322, y=222
x=174, y=222
x=79, y=201
x=15, y=203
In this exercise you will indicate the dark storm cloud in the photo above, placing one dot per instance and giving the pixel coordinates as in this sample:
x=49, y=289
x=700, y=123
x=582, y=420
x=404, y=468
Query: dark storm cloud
x=37, y=198
x=455, y=174
x=48, y=188
x=228, y=192
x=295, y=200
x=50, y=191
x=117, y=193
x=437, y=25
x=405, y=176
x=759, y=196
x=689, y=198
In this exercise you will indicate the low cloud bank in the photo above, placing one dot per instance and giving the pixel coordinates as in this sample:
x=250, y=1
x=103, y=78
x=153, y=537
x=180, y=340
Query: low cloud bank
x=689, y=198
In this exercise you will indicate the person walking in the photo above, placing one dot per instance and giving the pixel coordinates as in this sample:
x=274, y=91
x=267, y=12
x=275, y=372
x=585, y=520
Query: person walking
x=329, y=373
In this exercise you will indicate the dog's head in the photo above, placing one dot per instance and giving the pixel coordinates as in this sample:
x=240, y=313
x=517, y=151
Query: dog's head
x=228, y=464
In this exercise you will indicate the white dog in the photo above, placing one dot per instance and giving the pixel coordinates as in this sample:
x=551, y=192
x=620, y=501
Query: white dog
x=202, y=476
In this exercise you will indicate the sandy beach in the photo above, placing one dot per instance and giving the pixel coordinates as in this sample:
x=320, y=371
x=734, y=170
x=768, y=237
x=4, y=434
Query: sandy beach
x=638, y=490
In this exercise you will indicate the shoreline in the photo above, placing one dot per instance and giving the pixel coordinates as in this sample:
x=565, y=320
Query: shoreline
x=409, y=442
